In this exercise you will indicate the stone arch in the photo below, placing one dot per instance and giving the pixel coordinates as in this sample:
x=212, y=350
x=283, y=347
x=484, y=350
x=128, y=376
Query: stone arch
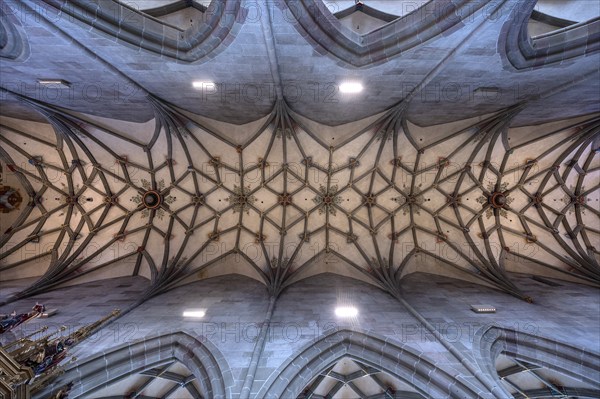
x=524, y=52
x=15, y=45
x=323, y=30
x=396, y=360
x=139, y=31
x=199, y=355
x=493, y=341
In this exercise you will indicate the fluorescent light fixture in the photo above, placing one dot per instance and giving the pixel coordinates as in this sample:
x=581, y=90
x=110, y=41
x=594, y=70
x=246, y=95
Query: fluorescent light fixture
x=346, y=311
x=351, y=87
x=59, y=83
x=201, y=84
x=483, y=309
x=194, y=313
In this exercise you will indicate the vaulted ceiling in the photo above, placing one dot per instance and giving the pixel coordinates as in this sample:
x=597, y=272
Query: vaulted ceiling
x=472, y=151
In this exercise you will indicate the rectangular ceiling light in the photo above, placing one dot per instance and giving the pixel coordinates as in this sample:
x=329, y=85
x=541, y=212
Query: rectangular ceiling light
x=351, y=87
x=483, y=309
x=203, y=84
x=346, y=311
x=194, y=313
x=57, y=83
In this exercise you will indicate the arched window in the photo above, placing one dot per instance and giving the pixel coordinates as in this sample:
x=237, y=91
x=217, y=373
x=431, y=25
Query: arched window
x=171, y=380
x=339, y=360
x=551, y=15
x=531, y=366
x=540, y=35
x=350, y=378
x=172, y=365
x=529, y=380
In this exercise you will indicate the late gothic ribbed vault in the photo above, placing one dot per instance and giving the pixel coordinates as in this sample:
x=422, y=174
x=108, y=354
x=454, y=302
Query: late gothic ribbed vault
x=168, y=143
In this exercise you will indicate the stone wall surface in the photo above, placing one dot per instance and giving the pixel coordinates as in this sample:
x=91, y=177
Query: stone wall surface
x=304, y=315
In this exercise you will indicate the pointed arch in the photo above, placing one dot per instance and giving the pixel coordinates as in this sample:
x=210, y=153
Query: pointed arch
x=321, y=28
x=524, y=52
x=398, y=361
x=530, y=349
x=142, y=31
x=197, y=353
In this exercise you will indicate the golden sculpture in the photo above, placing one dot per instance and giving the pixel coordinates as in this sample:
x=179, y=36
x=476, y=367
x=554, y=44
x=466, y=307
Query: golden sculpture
x=28, y=365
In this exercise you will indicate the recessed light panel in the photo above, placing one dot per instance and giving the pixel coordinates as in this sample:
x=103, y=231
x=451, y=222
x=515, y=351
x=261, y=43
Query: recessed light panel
x=483, y=309
x=203, y=84
x=346, y=311
x=351, y=87
x=55, y=83
x=194, y=313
